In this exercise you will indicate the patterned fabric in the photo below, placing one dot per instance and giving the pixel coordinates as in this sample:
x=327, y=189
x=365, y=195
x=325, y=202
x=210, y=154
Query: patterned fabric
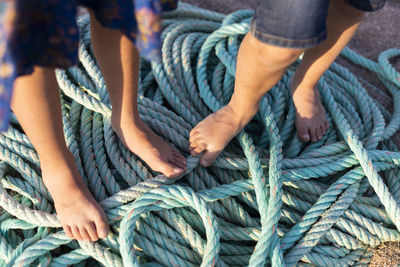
x=7, y=66
x=45, y=33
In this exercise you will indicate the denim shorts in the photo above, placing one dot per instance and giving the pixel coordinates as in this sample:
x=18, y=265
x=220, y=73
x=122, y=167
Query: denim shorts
x=297, y=23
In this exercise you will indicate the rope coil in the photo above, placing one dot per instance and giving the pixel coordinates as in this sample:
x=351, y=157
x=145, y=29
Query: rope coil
x=268, y=199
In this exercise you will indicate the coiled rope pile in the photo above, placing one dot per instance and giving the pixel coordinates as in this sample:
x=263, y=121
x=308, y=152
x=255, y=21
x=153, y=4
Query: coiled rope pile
x=269, y=199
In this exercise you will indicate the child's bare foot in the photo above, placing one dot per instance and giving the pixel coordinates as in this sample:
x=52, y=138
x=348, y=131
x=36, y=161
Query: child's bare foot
x=213, y=133
x=311, y=122
x=81, y=216
x=143, y=142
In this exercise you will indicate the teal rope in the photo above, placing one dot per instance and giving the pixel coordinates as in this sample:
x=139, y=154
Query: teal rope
x=269, y=199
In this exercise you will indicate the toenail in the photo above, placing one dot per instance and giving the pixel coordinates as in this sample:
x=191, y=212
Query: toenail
x=177, y=170
x=103, y=234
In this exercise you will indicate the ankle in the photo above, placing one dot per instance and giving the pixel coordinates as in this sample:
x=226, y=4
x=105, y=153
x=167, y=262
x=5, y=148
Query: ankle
x=118, y=121
x=60, y=160
x=242, y=115
x=296, y=83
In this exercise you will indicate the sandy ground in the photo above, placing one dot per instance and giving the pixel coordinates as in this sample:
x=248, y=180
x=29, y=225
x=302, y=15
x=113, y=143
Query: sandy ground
x=379, y=31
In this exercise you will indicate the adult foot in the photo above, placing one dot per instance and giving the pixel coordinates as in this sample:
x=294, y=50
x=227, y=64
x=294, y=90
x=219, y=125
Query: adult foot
x=311, y=121
x=213, y=133
x=80, y=215
x=147, y=145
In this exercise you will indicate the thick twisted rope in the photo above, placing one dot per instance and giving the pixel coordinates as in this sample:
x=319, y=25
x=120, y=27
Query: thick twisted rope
x=269, y=199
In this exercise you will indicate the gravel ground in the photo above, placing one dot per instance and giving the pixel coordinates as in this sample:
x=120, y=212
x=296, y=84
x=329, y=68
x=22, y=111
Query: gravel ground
x=387, y=254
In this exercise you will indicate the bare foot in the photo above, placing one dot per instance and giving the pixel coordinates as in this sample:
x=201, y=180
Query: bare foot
x=143, y=142
x=213, y=133
x=80, y=215
x=311, y=122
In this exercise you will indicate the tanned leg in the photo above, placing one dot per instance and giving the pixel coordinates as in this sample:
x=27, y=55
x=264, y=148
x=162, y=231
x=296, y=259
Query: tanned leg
x=36, y=103
x=118, y=59
x=259, y=67
x=342, y=22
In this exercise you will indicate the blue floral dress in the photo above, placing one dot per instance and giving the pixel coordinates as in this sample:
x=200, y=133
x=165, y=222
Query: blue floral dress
x=45, y=33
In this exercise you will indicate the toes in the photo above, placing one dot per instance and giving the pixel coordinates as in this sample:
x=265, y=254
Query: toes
x=208, y=158
x=170, y=170
x=178, y=164
x=313, y=133
x=102, y=227
x=303, y=133
x=178, y=161
x=178, y=156
x=327, y=126
x=91, y=229
x=76, y=233
x=84, y=234
x=305, y=137
x=319, y=133
x=323, y=128
x=170, y=167
x=68, y=231
x=198, y=149
x=196, y=146
x=193, y=133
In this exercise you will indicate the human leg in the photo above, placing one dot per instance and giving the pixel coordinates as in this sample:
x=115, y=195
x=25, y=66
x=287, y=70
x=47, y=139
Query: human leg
x=280, y=32
x=118, y=59
x=259, y=67
x=342, y=22
x=36, y=103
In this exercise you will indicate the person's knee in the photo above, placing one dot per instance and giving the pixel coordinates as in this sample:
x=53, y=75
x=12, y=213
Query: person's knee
x=275, y=57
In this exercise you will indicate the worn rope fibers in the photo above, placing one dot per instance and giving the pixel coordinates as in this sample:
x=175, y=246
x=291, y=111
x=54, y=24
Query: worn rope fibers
x=269, y=199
